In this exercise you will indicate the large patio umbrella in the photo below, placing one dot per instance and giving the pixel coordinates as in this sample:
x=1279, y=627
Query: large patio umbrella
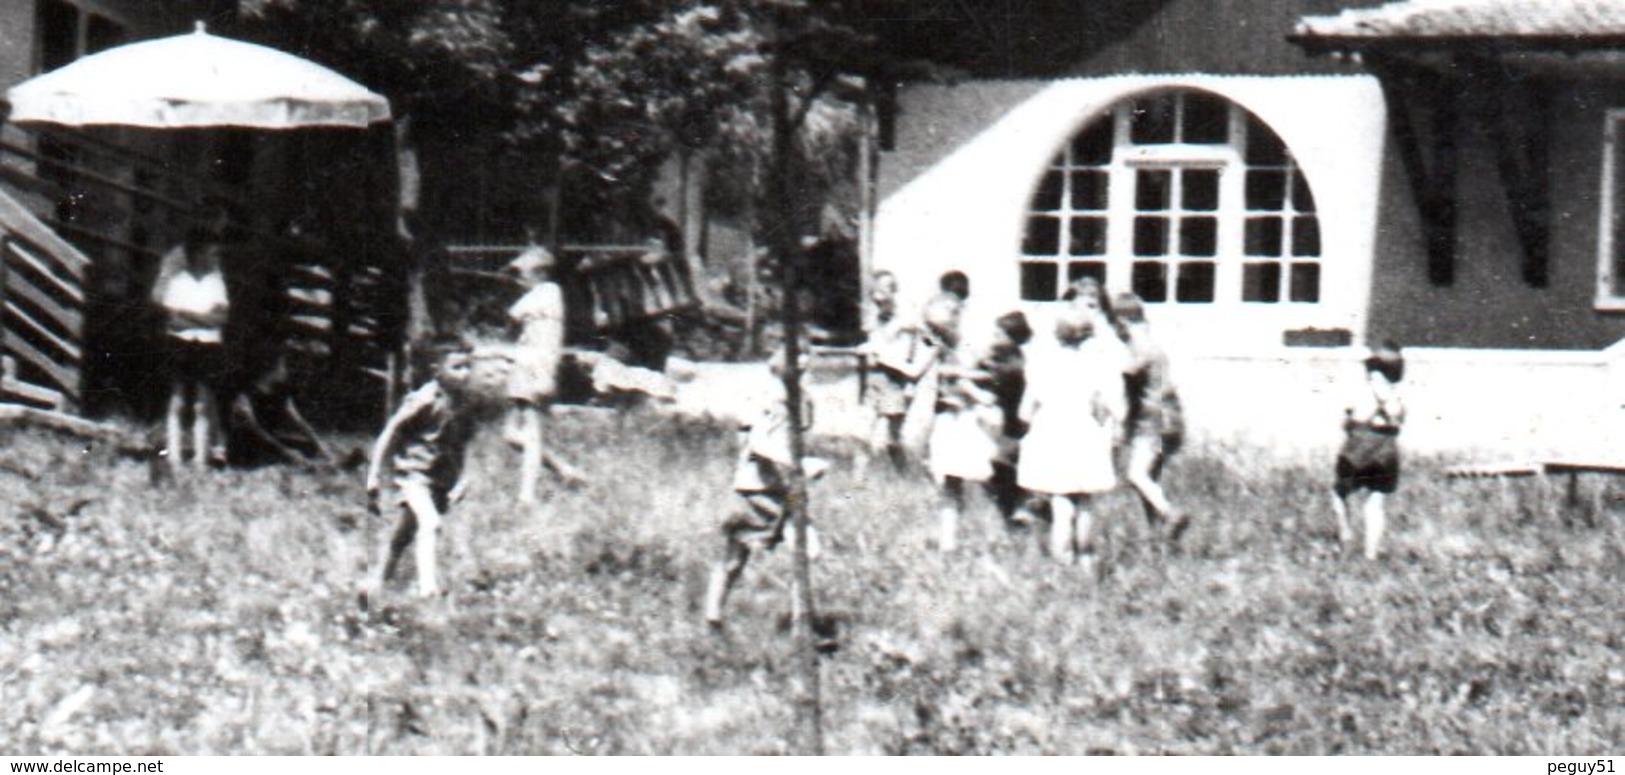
x=196, y=80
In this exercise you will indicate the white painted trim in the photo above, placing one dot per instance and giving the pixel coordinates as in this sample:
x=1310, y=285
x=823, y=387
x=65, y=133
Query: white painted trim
x=1607, y=300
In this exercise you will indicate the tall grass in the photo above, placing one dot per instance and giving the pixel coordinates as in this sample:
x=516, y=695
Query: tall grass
x=219, y=616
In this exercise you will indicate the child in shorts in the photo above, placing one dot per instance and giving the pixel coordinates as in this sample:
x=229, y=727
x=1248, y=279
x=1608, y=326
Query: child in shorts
x=422, y=448
x=898, y=354
x=1369, y=459
x=762, y=481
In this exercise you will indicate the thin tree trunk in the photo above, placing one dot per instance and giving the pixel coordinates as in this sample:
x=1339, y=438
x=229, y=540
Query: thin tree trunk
x=805, y=693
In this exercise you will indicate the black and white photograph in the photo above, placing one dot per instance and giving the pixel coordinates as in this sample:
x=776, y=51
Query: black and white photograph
x=812, y=377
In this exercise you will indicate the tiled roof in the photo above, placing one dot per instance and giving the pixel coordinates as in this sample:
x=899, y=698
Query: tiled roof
x=1472, y=18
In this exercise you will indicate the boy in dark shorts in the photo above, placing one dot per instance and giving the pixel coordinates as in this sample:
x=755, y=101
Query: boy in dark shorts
x=761, y=480
x=1369, y=459
x=421, y=449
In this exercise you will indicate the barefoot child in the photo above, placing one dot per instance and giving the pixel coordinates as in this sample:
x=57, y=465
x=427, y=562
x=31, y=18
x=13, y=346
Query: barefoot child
x=762, y=482
x=423, y=446
x=1369, y=459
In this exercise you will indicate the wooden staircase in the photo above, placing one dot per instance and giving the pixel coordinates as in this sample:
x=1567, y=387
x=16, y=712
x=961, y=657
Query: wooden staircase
x=42, y=305
x=84, y=221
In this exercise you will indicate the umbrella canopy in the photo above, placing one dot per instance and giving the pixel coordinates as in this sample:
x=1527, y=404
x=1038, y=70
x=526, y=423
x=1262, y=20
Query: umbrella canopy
x=196, y=80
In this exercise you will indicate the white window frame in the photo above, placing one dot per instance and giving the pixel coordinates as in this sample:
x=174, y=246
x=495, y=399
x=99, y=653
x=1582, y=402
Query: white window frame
x=1610, y=286
x=1230, y=258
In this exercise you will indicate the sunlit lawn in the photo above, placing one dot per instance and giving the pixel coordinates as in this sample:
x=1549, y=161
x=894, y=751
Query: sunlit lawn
x=218, y=616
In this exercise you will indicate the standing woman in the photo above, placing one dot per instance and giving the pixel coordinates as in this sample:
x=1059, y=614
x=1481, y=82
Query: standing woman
x=191, y=292
x=1073, y=407
x=539, y=315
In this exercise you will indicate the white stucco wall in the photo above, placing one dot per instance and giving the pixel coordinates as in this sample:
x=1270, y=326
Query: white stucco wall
x=1463, y=404
x=968, y=211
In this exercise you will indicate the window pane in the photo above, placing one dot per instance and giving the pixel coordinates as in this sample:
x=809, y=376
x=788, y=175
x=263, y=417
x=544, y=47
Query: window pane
x=1150, y=236
x=1306, y=236
x=1195, y=283
x=1261, y=282
x=1199, y=236
x=1048, y=196
x=1039, y=281
x=1151, y=189
x=1089, y=190
x=1093, y=145
x=1081, y=269
x=1043, y=236
x=1207, y=119
x=1266, y=190
x=1088, y=237
x=1263, y=147
x=1200, y=190
x=1263, y=237
x=1302, y=200
x=1306, y=282
x=1150, y=280
x=1152, y=120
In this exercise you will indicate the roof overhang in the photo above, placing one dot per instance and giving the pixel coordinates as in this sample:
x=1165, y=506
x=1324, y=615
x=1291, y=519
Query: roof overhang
x=1470, y=26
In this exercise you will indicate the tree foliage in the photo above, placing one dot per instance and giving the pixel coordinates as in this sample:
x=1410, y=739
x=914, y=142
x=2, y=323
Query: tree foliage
x=613, y=87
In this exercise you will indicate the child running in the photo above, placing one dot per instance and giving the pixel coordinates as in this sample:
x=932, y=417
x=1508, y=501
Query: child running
x=423, y=446
x=1156, y=424
x=1073, y=407
x=762, y=480
x=1369, y=459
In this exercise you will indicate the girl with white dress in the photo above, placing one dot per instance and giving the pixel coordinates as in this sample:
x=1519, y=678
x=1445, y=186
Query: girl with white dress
x=539, y=316
x=965, y=423
x=1074, y=406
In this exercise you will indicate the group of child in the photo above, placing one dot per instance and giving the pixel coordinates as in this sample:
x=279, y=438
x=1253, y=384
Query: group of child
x=1040, y=429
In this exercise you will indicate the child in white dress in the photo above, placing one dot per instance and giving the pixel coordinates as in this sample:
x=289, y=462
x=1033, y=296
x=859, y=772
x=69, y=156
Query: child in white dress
x=965, y=425
x=539, y=315
x=1074, y=406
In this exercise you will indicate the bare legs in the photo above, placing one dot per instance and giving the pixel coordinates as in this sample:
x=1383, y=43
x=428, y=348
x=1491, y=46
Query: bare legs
x=759, y=522
x=530, y=450
x=1376, y=521
x=886, y=438
x=951, y=504
x=420, y=519
x=1071, y=537
x=203, y=408
x=1144, y=474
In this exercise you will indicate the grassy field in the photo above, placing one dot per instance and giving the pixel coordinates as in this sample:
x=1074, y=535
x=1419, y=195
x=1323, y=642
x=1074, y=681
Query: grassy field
x=218, y=616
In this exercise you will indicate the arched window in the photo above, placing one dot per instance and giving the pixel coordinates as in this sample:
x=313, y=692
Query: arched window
x=1182, y=197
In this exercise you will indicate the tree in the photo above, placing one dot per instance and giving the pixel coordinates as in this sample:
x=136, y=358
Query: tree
x=613, y=89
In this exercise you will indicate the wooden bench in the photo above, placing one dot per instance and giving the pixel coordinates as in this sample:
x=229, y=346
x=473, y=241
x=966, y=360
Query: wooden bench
x=1572, y=468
